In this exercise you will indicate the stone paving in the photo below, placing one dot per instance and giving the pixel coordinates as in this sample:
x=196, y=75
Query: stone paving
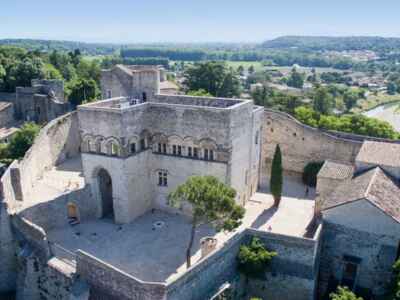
x=60, y=179
x=157, y=254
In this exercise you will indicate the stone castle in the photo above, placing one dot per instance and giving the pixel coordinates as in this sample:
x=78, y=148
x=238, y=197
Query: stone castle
x=85, y=214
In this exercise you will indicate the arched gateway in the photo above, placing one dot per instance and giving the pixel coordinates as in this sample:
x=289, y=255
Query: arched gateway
x=105, y=193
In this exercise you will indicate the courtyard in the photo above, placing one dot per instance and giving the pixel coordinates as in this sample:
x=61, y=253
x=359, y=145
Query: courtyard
x=152, y=248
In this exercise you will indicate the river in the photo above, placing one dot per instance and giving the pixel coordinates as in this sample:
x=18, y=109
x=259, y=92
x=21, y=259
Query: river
x=387, y=112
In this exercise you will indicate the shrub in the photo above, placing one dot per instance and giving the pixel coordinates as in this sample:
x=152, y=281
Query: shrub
x=343, y=293
x=310, y=173
x=254, y=259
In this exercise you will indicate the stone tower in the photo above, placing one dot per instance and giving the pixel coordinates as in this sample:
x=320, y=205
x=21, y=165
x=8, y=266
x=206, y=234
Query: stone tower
x=137, y=82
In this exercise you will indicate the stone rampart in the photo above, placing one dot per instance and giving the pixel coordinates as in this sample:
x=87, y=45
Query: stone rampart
x=6, y=114
x=32, y=233
x=301, y=144
x=56, y=142
x=294, y=269
x=107, y=281
x=56, y=215
x=7, y=97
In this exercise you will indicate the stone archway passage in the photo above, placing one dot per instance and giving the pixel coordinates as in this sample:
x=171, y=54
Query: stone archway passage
x=106, y=194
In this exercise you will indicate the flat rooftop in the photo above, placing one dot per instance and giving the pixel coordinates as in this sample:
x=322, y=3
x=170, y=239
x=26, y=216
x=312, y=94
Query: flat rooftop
x=122, y=103
x=157, y=254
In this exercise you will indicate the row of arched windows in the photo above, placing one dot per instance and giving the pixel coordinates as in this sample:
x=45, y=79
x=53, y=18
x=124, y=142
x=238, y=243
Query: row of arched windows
x=188, y=147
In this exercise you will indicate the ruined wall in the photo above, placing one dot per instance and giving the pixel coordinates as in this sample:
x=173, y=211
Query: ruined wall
x=301, y=144
x=107, y=282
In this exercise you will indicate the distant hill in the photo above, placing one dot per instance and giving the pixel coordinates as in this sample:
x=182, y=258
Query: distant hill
x=318, y=43
x=50, y=45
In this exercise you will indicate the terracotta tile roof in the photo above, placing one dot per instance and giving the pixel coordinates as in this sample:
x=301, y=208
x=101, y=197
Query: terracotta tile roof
x=379, y=153
x=374, y=186
x=336, y=170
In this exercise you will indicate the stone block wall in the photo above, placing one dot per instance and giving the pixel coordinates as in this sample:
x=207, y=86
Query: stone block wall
x=56, y=215
x=292, y=272
x=378, y=253
x=7, y=115
x=42, y=280
x=8, y=263
x=56, y=142
x=110, y=283
x=301, y=144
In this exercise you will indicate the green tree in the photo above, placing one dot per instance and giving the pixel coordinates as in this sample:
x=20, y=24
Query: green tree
x=22, y=140
x=343, y=293
x=295, y=79
x=307, y=116
x=240, y=70
x=22, y=72
x=310, y=173
x=82, y=90
x=214, y=77
x=50, y=72
x=392, y=88
x=276, y=180
x=254, y=259
x=323, y=101
x=251, y=69
x=395, y=294
x=350, y=99
x=212, y=203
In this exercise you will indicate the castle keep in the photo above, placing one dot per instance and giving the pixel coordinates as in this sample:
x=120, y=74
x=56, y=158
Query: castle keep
x=85, y=214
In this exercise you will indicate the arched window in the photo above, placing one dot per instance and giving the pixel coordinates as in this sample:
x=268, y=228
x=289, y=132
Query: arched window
x=114, y=149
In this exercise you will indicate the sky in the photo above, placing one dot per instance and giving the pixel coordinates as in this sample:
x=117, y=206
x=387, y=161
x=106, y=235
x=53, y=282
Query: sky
x=145, y=21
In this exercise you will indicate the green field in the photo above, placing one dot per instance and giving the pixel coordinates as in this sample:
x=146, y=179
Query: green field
x=246, y=64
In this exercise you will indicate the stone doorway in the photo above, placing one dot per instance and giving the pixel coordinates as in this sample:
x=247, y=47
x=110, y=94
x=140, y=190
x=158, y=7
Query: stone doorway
x=106, y=194
x=72, y=211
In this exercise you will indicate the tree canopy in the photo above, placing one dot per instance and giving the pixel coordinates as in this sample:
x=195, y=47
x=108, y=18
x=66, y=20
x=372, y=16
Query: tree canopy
x=212, y=203
x=213, y=77
x=21, y=141
x=343, y=293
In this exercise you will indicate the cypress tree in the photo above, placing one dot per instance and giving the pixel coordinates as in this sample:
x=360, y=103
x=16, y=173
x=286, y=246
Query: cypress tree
x=276, y=179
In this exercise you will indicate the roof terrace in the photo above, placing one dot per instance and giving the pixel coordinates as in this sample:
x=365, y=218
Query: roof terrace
x=122, y=103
